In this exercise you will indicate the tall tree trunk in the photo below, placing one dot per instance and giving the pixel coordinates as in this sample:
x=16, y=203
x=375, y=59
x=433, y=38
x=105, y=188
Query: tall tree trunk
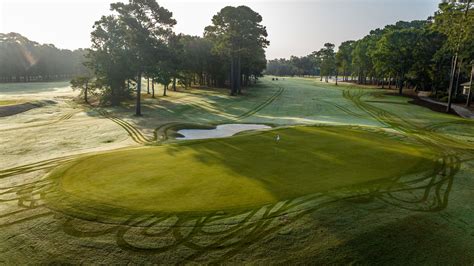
x=152, y=88
x=336, y=78
x=451, y=81
x=468, y=5
x=147, y=85
x=138, y=107
x=239, y=75
x=389, y=82
x=469, y=95
x=402, y=80
x=165, y=87
x=232, y=76
x=85, y=93
x=174, y=84
x=457, y=79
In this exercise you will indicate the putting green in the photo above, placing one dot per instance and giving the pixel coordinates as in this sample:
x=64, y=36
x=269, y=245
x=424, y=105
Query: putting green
x=239, y=172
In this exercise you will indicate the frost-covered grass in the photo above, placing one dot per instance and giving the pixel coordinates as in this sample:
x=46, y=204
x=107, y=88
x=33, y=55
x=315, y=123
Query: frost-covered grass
x=357, y=177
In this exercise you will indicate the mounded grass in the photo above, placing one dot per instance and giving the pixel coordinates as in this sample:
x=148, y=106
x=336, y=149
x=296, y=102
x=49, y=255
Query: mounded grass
x=236, y=173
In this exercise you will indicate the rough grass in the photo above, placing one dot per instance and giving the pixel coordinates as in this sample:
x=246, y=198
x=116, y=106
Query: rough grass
x=240, y=172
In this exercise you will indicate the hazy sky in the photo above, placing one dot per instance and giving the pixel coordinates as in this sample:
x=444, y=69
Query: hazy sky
x=294, y=27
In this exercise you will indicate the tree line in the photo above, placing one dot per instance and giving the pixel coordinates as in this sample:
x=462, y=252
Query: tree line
x=22, y=60
x=137, y=41
x=419, y=54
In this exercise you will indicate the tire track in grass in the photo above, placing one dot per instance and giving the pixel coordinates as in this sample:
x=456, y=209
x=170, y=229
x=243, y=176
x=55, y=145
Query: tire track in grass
x=197, y=105
x=261, y=106
x=432, y=139
x=60, y=119
x=437, y=126
x=132, y=131
x=432, y=189
x=343, y=109
x=41, y=165
x=230, y=234
x=236, y=235
x=248, y=113
x=161, y=133
x=139, y=138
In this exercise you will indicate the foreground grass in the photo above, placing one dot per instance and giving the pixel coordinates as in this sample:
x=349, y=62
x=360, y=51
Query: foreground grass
x=240, y=172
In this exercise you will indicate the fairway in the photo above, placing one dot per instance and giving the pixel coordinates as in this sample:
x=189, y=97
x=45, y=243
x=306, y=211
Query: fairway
x=351, y=166
x=240, y=172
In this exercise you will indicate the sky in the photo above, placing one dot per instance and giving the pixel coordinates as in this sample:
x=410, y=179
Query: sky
x=295, y=27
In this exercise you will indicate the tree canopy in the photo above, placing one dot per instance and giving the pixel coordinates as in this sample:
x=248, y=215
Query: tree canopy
x=418, y=53
x=238, y=35
x=138, y=41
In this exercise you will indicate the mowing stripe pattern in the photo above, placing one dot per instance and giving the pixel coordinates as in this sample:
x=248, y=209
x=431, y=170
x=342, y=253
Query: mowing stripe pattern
x=261, y=106
x=60, y=119
x=134, y=133
x=228, y=235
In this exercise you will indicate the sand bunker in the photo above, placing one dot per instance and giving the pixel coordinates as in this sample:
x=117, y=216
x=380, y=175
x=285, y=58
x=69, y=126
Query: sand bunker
x=221, y=131
x=23, y=107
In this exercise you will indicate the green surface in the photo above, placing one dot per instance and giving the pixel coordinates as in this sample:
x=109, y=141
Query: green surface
x=240, y=172
x=370, y=179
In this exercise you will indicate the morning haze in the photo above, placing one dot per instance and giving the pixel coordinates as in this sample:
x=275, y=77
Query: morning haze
x=294, y=27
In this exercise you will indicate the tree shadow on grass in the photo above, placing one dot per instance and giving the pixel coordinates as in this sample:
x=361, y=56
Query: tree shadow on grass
x=218, y=236
x=307, y=159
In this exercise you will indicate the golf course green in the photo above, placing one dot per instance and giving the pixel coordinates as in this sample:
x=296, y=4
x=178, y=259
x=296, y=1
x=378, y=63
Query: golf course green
x=358, y=176
x=240, y=172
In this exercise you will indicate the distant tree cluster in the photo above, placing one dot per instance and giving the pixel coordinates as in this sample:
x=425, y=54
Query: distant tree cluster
x=419, y=54
x=138, y=41
x=295, y=66
x=22, y=60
